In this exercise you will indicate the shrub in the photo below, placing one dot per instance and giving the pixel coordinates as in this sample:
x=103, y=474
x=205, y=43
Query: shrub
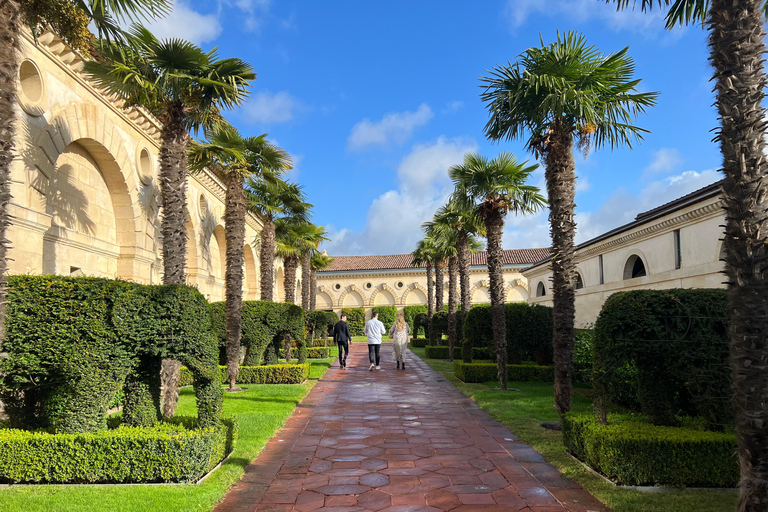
x=441, y=352
x=420, y=324
x=319, y=323
x=470, y=353
x=315, y=353
x=387, y=315
x=672, y=347
x=264, y=327
x=287, y=373
x=583, y=355
x=355, y=320
x=529, y=331
x=410, y=312
x=631, y=452
x=487, y=372
x=439, y=327
x=419, y=342
x=167, y=452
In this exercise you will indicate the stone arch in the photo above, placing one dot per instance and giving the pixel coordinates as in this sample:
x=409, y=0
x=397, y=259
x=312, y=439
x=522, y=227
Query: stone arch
x=192, y=257
x=386, y=291
x=515, y=292
x=218, y=252
x=352, y=289
x=250, y=279
x=480, y=293
x=635, y=266
x=279, y=285
x=578, y=279
x=413, y=287
x=324, y=300
x=541, y=289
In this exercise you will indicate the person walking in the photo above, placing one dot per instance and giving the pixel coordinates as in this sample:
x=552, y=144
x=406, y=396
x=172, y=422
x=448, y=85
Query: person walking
x=399, y=333
x=342, y=337
x=374, y=329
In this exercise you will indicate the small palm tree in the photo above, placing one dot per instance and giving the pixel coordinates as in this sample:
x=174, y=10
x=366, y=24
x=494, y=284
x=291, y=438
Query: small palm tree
x=186, y=88
x=556, y=96
x=423, y=255
x=497, y=187
x=234, y=158
x=319, y=261
x=273, y=200
x=311, y=238
x=292, y=234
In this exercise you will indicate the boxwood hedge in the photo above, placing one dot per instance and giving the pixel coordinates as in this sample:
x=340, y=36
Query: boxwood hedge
x=410, y=312
x=487, y=372
x=419, y=342
x=174, y=451
x=315, y=352
x=632, y=452
x=387, y=315
x=420, y=324
x=441, y=352
x=355, y=320
x=269, y=374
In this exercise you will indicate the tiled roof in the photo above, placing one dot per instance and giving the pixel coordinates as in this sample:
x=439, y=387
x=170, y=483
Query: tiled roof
x=398, y=261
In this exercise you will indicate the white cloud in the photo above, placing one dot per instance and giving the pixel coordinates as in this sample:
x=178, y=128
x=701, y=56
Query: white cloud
x=453, y=106
x=256, y=12
x=665, y=160
x=394, y=219
x=517, y=13
x=268, y=108
x=395, y=127
x=186, y=23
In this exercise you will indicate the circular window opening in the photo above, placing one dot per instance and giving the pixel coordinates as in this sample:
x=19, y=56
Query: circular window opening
x=400, y=284
x=337, y=286
x=30, y=81
x=634, y=267
x=145, y=165
x=368, y=286
x=541, y=291
x=203, y=207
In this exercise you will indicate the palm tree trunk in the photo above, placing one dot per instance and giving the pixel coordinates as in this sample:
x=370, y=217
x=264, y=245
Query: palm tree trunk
x=267, y=259
x=494, y=225
x=439, y=286
x=561, y=188
x=430, y=298
x=173, y=190
x=234, y=220
x=10, y=32
x=738, y=47
x=312, y=289
x=289, y=280
x=453, y=271
x=463, y=260
x=305, y=277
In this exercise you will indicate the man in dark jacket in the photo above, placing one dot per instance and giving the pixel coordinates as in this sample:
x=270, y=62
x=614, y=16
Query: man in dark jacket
x=342, y=338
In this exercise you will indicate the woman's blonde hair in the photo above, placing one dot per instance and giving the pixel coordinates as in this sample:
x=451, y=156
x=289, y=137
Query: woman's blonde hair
x=400, y=324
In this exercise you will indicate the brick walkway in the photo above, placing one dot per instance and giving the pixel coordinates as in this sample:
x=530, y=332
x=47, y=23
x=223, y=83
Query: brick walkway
x=398, y=441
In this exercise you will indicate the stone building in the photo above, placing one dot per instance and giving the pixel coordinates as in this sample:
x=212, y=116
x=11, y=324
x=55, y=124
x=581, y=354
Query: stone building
x=677, y=245
x=391, y=280
x=85, y=190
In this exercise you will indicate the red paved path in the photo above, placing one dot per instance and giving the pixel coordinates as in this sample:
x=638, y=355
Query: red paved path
x=398, y=441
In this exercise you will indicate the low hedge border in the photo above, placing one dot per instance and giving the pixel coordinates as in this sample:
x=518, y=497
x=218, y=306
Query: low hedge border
x=312, y=353
x=485, y=372
x=269, y=374
x=441, y=352
x=419, y=342
x=632, y=452
x=172, y=451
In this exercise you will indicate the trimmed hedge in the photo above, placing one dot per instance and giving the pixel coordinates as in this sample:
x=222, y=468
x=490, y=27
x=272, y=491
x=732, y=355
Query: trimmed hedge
x=441, y=352
x=315, y=353
x=666, y=351
x=439, y=327
x=387, y=315
x=419, y=342
x=410, y=312
x=269, y=374
x=529, y=331
x=487, y=372
x=420, y=324
x=319, y=323
x=632, y=452
x=355, y=320
x=167, y=452
x=264, y=326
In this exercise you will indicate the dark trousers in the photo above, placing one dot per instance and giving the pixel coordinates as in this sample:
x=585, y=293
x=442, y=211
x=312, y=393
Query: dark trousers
x=343, y=348
x=374, y=354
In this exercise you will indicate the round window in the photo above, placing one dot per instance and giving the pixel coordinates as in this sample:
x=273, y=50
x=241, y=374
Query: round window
x=145, y=166
x=400, y=284
x=368, y=286
x=32, y=89
x=337, y=286
x=203, y=207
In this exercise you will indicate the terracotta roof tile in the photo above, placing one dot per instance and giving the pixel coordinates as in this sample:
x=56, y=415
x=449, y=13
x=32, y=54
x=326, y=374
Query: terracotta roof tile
x=397, y=261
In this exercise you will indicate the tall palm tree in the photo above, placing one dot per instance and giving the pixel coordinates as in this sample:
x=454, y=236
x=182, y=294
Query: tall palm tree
x=446, y=239
x=271, y=201
x=312, y=237
x=557, y=96
x=69, y=19
x=292, y=234
x=186, y=88
x=422, y=255
x=319, y=261
x=233, y=158
x=497, y=186
x=737, y=43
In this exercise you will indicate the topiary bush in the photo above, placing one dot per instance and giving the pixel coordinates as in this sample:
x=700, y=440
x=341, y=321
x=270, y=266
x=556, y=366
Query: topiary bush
x=355, y=320
x=174, y=451
x=387, y=315
x=420, y=324
x=319, y=324
x=529, y=331
x=632, y=452
x=439, y=328
x=419, y=342
x=488, y=372
x=672, y=347
x=410, y=312
x=287, y=373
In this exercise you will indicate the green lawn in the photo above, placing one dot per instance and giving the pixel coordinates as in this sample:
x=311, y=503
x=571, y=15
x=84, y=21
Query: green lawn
x=523, y=411
x=261, y=410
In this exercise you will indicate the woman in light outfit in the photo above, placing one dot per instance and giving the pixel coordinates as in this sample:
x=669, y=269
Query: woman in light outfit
x=399, y=333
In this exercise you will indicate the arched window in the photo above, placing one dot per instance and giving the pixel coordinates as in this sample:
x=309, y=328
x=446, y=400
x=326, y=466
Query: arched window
x=579, y=281
x=634, y=267
x=541, y=291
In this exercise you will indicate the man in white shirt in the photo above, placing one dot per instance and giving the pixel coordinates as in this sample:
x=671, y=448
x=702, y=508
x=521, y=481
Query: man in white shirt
x=374, y=329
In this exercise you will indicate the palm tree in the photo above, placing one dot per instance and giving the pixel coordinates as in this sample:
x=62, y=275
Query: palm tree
x=556, y=95
x=422, y=255
x=186, y=88
x=445, y=237
x=271, y=201
x=292, y=234
x=311, y=238
x=234, y=158
x=69, y=19
x=319, y=261
x=737, y=43
x=497, y=187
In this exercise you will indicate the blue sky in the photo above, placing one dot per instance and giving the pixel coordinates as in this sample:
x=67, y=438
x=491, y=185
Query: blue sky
x=376, y=100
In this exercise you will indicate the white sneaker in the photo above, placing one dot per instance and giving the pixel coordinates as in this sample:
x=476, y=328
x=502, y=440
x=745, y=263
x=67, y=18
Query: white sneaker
x=378, y=367
x=371, y=368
